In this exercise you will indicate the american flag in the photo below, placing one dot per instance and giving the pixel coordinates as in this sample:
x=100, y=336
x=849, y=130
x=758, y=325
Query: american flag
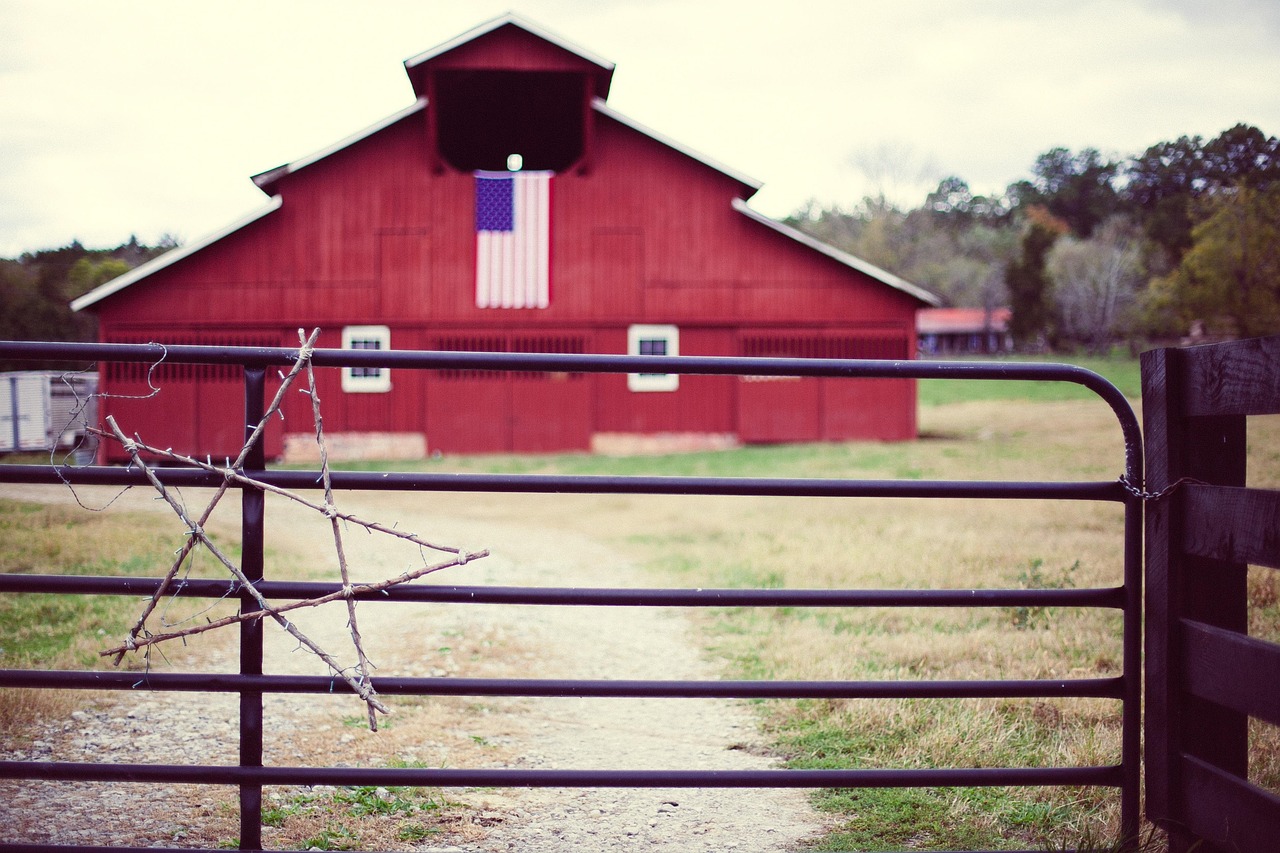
x=513, y=246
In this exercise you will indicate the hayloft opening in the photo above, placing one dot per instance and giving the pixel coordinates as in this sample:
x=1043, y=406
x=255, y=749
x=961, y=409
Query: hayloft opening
x=484, y=116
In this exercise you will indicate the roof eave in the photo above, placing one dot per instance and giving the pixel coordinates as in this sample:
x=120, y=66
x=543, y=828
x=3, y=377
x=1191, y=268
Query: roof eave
x=599, y=105
x=266, y=181
x=501, y=21
x=843, y=257
x=169, y=258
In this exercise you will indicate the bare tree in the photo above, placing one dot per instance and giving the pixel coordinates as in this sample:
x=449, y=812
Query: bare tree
x=893, y=170
x=1096, y=284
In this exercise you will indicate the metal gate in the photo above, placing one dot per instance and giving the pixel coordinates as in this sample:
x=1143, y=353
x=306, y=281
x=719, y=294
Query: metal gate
x=251, y=684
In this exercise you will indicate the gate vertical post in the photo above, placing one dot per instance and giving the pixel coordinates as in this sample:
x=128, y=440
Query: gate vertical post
x=252, y=518
x=1180, y=586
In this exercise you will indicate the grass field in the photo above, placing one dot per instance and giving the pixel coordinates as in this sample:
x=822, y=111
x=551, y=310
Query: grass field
x=49, y=631
x=915, y=543
x=971, y=431
x=1124, y=373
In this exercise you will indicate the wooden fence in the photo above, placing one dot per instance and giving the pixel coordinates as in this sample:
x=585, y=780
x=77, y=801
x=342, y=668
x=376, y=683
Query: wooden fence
x=1205, y=677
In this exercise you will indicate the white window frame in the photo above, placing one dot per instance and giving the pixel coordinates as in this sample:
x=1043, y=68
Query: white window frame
x=379, y=383
x=643, y=382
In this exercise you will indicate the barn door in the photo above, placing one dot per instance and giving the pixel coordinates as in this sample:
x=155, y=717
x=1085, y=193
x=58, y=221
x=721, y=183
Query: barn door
x=775, y=409
x=476, y=411
x=468, y=411
x=550, y=411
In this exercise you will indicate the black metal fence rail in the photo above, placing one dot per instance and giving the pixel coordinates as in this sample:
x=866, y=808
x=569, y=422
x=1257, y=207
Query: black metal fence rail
x=251, y=684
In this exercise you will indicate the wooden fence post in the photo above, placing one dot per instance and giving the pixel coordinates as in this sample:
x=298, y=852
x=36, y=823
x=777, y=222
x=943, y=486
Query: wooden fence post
x=1194, y=407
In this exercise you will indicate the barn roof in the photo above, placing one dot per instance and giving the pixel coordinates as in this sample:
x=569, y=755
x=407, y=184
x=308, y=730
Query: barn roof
x=171, y=257
x=604, y=109
x=266, y=181
x=951, y=321
x=836, y=254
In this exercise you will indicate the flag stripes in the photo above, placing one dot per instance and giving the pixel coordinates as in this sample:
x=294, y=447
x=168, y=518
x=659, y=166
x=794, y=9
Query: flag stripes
x=513, y=239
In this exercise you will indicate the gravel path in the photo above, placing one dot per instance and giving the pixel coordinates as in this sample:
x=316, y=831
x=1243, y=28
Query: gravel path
x=475, y=640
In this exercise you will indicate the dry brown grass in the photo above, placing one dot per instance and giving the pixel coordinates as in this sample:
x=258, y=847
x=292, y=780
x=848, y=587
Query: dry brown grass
x=858, y=543
x=422, y=733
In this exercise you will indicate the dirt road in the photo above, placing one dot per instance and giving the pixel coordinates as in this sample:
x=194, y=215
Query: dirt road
x=459, y=640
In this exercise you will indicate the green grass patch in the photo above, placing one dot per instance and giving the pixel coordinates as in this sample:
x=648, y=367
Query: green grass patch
x=797, y=460
x=56, y=630
x=352, y=817
x=922, y=734
x=1121, y=371
x=915, y=819
x=64, y=631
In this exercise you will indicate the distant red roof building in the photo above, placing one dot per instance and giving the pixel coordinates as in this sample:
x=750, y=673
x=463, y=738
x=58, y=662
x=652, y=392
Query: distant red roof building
x=964, y=331
x=510, y=209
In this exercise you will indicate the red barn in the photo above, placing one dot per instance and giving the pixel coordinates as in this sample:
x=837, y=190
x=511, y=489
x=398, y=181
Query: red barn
x=510, y=209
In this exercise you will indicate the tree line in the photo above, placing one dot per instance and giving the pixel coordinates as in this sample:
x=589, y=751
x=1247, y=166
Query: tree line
x=36, y=289
x=1089, y=252
x=1092, y=250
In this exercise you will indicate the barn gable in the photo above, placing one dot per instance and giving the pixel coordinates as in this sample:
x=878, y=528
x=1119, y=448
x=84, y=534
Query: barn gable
x=637, y=244
x=509, y=88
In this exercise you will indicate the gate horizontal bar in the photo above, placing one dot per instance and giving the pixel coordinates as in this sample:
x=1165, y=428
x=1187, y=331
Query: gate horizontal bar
x=1100, y=688
x=983, y=777
x=704, y=365
x=559, y=362
x=1100, y=597
x=1104, y=490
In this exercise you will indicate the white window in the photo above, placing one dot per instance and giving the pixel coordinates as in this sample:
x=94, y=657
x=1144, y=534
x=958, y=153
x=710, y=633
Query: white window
x=653, y=340
x=358, y=380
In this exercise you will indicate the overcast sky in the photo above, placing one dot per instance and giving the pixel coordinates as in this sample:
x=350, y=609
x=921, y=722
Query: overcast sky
x=143, y=117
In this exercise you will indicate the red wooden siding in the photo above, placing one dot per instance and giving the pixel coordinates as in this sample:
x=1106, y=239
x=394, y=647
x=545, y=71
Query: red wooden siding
x=775, y=409
x=702, y=403
x=471, y=411
x=367, y=235
x=197, y=410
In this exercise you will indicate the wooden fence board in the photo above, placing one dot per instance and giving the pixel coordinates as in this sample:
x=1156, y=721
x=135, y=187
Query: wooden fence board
x=1228, y=812
x=1230, y=669
x=1238, y=378
x=1232, y=524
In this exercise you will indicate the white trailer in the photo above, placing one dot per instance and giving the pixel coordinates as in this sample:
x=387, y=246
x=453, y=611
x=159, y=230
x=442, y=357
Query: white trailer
x=44, y=410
